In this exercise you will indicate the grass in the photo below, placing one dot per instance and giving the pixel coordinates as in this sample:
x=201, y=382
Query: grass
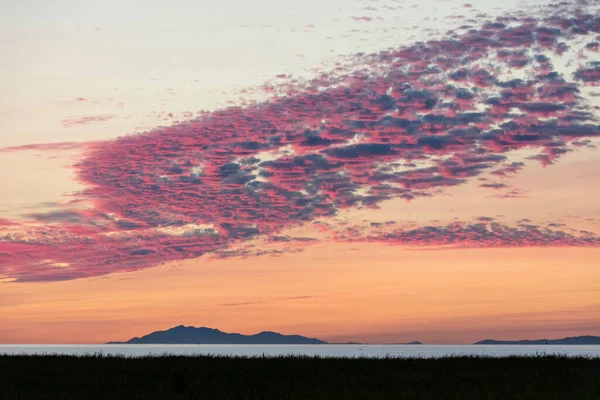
x=212, y=377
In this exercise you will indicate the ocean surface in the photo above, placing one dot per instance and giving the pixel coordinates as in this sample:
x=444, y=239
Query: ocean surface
x=337, y=350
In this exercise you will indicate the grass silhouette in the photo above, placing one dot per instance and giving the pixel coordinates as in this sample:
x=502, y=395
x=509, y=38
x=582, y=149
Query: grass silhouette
x=100, y=376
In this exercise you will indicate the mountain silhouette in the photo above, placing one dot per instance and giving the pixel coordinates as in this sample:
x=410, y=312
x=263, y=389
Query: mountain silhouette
x=567, y=340
x=192, y=335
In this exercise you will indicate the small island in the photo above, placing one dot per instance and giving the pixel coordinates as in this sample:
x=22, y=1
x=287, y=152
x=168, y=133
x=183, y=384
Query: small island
x=580, y=340
x=191, y=335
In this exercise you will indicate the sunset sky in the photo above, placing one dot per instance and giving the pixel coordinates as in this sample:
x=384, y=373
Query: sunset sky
x=377, y=171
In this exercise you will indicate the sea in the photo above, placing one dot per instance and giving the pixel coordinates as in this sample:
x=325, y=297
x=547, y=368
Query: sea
x=328, y=350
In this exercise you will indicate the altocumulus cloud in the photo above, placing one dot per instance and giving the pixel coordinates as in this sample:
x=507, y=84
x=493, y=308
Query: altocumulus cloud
x=424, y=117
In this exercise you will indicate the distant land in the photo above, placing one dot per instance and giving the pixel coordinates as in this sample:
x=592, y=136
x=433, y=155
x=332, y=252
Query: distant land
x=192, y=335
x=567, y=340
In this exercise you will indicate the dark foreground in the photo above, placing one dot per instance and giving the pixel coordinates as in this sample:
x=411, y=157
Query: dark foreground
x=170, y=377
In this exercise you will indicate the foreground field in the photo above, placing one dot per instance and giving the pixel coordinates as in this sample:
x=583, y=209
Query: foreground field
x=169, y=377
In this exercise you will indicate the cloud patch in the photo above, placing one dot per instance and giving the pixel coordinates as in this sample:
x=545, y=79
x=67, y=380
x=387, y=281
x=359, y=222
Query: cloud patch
x=483, y=233
x=83, y=120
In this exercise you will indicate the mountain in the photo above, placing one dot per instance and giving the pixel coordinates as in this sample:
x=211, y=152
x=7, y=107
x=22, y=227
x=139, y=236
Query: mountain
x=567, y=340
x=192, y=335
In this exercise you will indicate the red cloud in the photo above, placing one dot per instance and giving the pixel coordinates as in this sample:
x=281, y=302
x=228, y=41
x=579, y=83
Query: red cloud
x=422, y=118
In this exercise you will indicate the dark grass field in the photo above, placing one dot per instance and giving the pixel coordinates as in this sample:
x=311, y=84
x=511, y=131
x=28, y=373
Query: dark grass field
x=176, y=377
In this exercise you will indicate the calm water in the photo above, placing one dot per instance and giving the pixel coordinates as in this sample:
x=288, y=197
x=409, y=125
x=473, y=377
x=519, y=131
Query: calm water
x=377, y=351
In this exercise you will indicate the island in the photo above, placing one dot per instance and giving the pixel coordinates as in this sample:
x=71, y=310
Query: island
x=581, y=340
x=191, y=335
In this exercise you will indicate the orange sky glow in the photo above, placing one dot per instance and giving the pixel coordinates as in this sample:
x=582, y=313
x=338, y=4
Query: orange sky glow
x=415, y=172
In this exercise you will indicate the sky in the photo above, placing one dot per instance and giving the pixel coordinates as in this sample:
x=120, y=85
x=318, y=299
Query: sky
x=373, y=171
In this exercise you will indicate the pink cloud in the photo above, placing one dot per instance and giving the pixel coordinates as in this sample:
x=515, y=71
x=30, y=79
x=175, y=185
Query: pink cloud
x=428, y=117
x=47, y=146
x=482, y=233
x=364, y=19
x=68, y=122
